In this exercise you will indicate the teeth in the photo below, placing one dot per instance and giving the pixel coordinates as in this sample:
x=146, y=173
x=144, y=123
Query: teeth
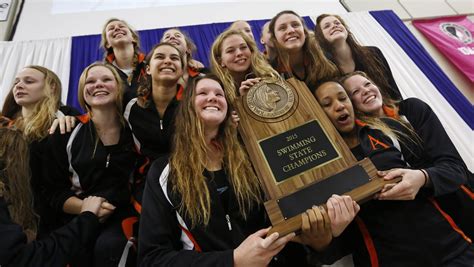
x=292, y=38
x=370, y=98
x=100, y=93
x=211, y=108
x=241, y=60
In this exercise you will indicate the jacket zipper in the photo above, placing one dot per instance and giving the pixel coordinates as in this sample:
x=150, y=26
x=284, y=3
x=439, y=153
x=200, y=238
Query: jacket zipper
x=227, y=217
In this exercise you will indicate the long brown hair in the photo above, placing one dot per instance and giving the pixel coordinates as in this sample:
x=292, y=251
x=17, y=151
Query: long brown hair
x=36, y=127
x=317, y=67
x=15, y=176
x=370, y=62
x=188, y=161
x=258, y=64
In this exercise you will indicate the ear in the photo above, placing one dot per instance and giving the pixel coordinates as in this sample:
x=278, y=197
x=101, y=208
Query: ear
x=148, y=70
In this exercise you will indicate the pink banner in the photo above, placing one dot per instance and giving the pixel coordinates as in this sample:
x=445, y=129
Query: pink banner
x=453, y=36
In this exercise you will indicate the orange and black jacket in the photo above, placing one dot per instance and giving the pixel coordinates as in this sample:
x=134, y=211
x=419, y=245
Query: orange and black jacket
x=451, y=181
x=396, y=233
x=152, y=133
x=78, y=164
x=56, y=249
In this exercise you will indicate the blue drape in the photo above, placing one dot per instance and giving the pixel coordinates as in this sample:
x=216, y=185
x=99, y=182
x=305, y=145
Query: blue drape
x=85, y=49
x=402, y=35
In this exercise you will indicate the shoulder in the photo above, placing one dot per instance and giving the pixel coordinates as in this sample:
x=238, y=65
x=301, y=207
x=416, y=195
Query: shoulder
x=413, y=106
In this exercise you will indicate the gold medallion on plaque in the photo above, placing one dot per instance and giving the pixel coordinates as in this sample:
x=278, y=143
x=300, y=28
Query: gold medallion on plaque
x=270, y=99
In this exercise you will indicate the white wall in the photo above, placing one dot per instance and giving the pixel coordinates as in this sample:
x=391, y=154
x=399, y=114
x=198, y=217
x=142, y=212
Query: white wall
x=37, y=21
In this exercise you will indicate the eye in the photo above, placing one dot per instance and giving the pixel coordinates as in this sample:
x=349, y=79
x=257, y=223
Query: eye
x=367, y=84
x=355, y=92
x=16, y=81
x=281, y=27
x=175, y=58
x=230, y=50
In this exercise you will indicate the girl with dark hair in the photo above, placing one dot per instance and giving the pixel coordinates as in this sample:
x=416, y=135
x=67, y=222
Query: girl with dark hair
x=402, y=226
x=152, y=113
x=202, y=205
x=296, y=52
x=342, y=48
x=96, y=159
x=18, y=221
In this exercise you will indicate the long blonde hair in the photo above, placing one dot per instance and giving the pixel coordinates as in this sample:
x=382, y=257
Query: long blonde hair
x=317, y=66
x=258, y=66
x=36, y=127
x=188, y=161
x=15, y=175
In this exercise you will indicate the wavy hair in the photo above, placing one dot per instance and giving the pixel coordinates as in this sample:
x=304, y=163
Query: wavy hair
x=15, y=175
x=317, y=68
x=188, y=161
x=258, y=64
x=36, y=127
x=370, y=62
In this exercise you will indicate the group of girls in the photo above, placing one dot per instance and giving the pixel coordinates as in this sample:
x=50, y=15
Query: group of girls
x=155, y=124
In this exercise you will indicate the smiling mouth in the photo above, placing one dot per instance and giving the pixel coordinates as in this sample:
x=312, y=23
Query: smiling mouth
x=212, y=108
x=292, y=38
x=100, y=93
x=167, y=70
x=369, y=99
x=240, y=61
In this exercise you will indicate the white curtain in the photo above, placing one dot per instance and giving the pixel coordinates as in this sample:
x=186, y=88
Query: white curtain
x=54, y=54
x=411, y=81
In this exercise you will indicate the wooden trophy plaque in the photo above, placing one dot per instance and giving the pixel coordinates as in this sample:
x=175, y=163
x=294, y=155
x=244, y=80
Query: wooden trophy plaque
x=298, y=155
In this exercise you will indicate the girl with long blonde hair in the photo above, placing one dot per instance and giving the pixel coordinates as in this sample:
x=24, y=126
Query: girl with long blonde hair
x=236, y=60
x=202, y=206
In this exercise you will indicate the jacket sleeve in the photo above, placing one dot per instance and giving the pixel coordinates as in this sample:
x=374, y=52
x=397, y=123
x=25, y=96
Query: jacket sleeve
x=159, y=237
x=54, y=250
x=56, y=173
x=445, y=168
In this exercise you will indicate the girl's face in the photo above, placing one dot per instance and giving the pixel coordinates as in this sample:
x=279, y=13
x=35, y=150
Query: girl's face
x=364, y=94
x=289, y=32
x=28, y=87
x=100, y=87
x=117, y=33
x=338, y=107
x=235, y=54
x=165, y=64
x=210, y=103
x=333, y=29
x=176, y=38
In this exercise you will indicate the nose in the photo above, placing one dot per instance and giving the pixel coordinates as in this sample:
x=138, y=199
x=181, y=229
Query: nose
x=20, y=84
x=211, y=97
x=365, y=91
x=339, y=106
